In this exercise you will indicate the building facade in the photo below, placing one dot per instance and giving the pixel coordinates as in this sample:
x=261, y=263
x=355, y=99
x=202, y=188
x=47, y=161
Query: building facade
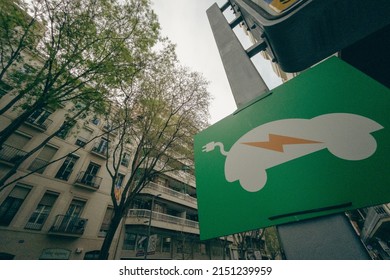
x=372, y=224
x=63, y=210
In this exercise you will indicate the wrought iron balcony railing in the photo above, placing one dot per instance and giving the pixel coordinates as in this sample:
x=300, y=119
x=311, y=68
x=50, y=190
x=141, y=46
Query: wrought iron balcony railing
x=100, y=149
x=89, y=180
x=66, y=224
x=156, y=216
x=171, y=192
x=11, y=154
x=39, y=123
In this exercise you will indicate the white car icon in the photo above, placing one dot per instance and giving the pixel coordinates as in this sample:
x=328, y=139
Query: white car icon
x=347, y=136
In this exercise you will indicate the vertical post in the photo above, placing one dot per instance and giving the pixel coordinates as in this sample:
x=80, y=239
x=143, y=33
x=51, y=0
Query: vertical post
x=329, y=237
x=325, y=238
x=150, y=225
x=244, y=79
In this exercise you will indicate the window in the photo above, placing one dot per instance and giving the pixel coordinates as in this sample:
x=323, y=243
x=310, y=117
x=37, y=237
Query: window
x=42, y=211
x=166, y=244
x=96, y=121
x=75, y=208
x=71, y=221
x=125, y=159
x=79, y=106
x=65, y=129
x=107, y=127
x=81, y=142
x=12, y=150
x=40, y=118
x=67, y=167
x=12, y=203
x=129, y=241
x=83, y=137
x=18, y=140
x=106, y=222
x=89, y=177
x=44, y=157
x=139, y=204
x=101, y=147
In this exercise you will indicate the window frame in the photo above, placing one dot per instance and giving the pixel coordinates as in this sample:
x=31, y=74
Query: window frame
x=65, y=167
x=11, y=205
x=43, y=213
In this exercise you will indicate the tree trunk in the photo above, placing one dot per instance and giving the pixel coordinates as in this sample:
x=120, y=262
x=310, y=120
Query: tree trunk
x=104, y=250
x=16, y=123
x=11, y=103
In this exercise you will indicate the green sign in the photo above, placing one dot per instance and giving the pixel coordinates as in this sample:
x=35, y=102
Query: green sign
x=316, y=145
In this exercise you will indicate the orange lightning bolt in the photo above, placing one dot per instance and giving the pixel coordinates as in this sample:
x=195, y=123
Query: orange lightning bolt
x=276, y=142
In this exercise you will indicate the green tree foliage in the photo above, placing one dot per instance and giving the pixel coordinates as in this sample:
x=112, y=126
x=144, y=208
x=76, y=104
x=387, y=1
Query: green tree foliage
x=18, y=33
x=78, y=51
x=58, y=51
x=158, y=115
x=109, y=56
x=272, y=243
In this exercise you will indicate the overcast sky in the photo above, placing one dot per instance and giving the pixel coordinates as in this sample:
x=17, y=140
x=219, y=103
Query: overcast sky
x=185, y=23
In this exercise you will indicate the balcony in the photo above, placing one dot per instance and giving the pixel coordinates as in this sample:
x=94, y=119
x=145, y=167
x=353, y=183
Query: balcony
x=40, y=124
x=176, y=196
x=88, y=181
x=184, y=177
x=100, y=149
x=34, y=226
x=68, y=226
x=177, y=174
x=139, y=216
x=377, y=217
x=10, y=155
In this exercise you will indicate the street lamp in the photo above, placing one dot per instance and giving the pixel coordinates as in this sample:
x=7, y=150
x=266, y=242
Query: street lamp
x=149, y=225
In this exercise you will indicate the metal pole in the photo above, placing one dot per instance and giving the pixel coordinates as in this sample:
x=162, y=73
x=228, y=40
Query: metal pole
x=244, y=79
x=149, y=225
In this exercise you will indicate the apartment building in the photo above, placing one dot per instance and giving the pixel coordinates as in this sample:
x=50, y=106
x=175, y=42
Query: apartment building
x=63, y=211
x=372, y=224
